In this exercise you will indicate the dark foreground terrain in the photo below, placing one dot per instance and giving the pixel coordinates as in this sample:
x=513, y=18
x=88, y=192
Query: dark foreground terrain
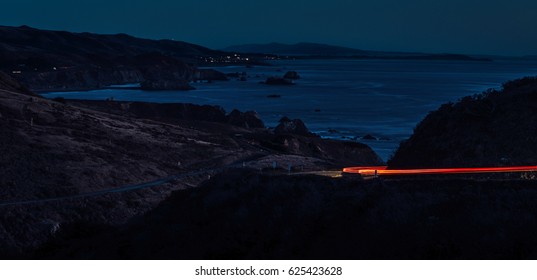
x=248, y=215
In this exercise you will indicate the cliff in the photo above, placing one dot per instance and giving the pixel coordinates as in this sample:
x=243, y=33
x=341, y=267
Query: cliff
x=494, y=128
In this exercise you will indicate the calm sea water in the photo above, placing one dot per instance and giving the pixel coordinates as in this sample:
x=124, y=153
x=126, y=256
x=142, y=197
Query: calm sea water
x=345, y=99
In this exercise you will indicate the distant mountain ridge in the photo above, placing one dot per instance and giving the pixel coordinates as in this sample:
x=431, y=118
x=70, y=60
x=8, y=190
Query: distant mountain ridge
x=315, y=50
x=295, y=49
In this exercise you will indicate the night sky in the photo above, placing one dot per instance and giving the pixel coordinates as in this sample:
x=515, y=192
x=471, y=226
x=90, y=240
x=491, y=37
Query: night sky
x=462, y=26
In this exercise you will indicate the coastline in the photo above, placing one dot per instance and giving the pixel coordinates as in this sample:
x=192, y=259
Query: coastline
x=350, y=98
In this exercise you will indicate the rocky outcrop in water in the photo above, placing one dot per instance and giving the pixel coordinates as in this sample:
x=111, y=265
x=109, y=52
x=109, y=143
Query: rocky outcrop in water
x=165, y=85
x=209, y=75
x=278, y=81
x=291, y=75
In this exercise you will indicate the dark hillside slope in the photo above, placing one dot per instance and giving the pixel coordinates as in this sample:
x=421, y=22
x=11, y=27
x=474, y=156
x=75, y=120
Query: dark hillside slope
x=10, y=84
x=59, y=60
x=53, y=149
x=49, y=149
x=18, y=43
x=494, y=128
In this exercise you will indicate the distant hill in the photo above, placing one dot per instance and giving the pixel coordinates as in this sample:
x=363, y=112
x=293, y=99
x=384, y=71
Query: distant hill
x=296, y=49
x=60, y=60
x=314, y=50
x=20, y=42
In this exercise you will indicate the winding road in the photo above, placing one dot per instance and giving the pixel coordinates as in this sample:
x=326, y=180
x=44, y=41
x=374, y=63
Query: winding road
x=361, y=170
x=384, y=171
x=125, y=188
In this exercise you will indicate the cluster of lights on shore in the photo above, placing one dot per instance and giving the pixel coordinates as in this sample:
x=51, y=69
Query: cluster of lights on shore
x=225, y=59
x=235, y=58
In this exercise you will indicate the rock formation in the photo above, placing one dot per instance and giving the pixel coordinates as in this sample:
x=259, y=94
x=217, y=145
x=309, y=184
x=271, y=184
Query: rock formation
x=248, y=119
x=209, y=75
x=296, y=126
x=278, y=81
x=165, y=85
x=291, y=75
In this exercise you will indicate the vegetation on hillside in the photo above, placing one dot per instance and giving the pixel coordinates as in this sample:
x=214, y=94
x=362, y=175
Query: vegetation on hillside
x=494, y=128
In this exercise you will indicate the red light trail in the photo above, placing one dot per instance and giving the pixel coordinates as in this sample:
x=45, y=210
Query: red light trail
x=384, y=171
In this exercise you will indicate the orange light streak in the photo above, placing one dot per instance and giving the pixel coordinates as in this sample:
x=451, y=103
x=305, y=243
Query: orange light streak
x=383, y=171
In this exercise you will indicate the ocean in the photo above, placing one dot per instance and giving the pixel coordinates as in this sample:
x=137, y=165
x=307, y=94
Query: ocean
x=342, y=99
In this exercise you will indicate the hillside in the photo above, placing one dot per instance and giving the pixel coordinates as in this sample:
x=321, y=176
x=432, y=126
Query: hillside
x=58, y=60
x=8, y=83
x=61, y=159
x=21, y=42
x=495, y=128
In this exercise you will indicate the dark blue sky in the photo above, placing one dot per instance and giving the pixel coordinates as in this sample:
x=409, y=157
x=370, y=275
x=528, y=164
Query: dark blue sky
x=462, y=26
